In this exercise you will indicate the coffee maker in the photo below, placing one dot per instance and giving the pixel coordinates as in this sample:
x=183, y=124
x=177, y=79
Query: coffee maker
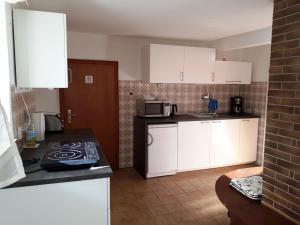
x=237, y=105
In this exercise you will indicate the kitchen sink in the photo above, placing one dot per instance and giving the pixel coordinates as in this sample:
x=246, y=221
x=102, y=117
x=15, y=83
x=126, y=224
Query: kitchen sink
x=204, y=115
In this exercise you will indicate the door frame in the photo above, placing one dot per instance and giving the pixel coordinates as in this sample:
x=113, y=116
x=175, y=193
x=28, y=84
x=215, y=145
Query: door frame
x=116, y=77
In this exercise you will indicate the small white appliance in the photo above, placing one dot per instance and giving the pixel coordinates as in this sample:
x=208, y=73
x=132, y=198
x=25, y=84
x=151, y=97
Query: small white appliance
x=162, y=150
x=38, y=119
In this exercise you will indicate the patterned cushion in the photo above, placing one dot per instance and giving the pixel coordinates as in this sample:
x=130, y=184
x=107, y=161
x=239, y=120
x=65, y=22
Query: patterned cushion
x=249, y=186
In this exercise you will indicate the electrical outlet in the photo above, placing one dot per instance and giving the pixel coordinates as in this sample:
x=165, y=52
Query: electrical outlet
x=160, y=85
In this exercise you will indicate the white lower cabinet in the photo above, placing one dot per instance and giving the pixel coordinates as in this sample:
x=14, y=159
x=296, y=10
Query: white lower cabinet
x=216, y=143
x=76, y=203
x=248, y=140
x=224, y=142
x=193, y=145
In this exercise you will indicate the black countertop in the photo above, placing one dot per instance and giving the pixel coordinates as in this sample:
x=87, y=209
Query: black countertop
x=186, y=117
x=41, y=176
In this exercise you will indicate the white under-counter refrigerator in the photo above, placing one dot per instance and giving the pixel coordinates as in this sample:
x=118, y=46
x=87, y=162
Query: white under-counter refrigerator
x=162, y=150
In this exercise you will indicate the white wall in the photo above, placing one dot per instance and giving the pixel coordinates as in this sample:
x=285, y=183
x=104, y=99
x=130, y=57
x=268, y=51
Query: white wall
x=245, y=40
x=259, y=56
x=126, y=50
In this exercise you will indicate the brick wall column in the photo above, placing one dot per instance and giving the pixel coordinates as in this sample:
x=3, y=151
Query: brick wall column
x=281, y=187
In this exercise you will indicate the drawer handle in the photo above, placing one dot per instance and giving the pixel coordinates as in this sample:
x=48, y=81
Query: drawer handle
x=233, y=81
x=246, y=120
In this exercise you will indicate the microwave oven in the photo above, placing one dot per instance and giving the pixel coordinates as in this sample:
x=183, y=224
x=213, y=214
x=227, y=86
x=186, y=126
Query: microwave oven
x=153, y=108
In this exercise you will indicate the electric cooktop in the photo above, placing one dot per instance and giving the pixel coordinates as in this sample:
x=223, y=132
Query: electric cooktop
x=69, y=155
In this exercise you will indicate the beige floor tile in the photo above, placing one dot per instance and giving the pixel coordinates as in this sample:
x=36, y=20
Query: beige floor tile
x=185, y=199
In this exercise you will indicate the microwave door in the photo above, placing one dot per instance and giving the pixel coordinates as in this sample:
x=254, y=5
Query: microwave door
x=154, y=109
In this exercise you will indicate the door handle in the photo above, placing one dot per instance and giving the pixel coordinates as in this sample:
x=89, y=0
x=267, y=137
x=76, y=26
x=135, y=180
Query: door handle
x=70, y=115
x=70, y=80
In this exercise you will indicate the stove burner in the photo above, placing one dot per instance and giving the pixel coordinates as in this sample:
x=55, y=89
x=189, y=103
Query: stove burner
x=65, y=155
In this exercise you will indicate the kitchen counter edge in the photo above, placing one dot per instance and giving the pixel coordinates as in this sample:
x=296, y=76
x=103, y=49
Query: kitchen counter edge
x=42, y=177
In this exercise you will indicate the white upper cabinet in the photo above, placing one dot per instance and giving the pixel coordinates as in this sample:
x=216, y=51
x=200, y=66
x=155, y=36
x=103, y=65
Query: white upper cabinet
x=180, y=64
x=40, y=49
x=231, y=72
x=199, y=65
x=166, y=63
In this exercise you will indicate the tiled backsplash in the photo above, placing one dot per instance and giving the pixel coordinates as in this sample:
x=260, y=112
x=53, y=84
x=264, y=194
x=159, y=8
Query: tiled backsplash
x=186, y=96
x=188, y=99
x=20, y=117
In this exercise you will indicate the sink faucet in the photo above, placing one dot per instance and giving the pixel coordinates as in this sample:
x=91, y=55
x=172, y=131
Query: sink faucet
x=205, y=97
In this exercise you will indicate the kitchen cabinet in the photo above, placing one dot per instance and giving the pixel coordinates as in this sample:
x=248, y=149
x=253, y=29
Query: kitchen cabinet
x=231, y=72
x=193, y=145
x=198, y=65
x=76, y=203
x=180, y=64
x=166, y=63
x=40, y=49
x=224, y=143
x=201, y=144
x=248, y=140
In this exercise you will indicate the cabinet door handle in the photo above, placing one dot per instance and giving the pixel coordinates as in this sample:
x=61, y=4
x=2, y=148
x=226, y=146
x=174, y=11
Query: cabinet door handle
x=70, y=76
x=212, y=76
x=181, y=76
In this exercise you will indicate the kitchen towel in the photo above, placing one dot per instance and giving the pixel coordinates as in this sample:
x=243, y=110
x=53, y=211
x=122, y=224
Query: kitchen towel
x=249, y=186
x=11, y=166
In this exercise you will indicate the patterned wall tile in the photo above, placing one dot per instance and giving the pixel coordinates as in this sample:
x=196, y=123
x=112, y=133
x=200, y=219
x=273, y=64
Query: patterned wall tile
x=20, y=117
x=188, y=99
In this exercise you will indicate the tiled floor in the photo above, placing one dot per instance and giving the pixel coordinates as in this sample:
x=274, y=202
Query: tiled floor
x=187, y=198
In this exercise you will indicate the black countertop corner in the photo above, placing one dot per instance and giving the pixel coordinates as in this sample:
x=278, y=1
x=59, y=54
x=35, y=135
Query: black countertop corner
x=41, y=176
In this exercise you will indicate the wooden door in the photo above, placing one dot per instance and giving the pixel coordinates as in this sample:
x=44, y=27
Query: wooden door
x=92, y=100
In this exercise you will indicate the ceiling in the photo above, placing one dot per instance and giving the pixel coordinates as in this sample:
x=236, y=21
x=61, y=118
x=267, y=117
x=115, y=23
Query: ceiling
x=179, y=19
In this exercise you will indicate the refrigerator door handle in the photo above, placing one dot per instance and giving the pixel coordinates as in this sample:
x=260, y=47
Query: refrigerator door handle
x=151, y=139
